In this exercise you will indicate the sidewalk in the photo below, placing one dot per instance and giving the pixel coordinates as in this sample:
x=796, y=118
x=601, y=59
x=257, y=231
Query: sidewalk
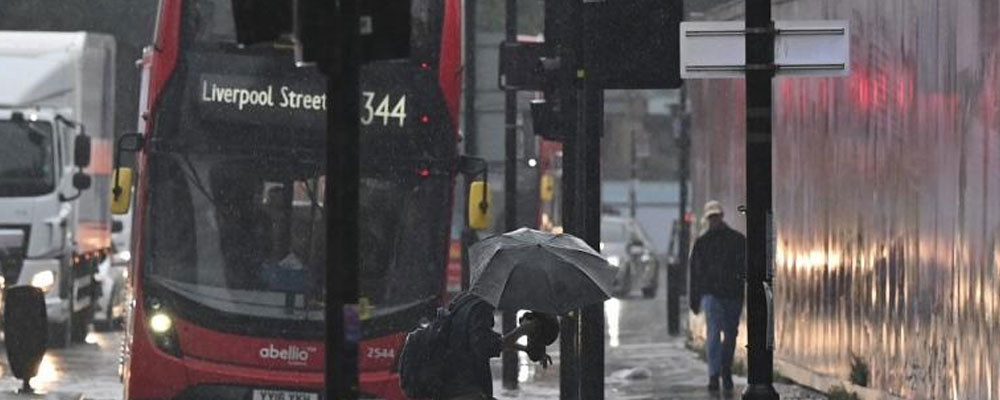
x=663, y=370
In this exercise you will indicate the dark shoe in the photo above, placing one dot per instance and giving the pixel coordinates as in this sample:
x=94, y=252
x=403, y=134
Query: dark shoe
x=713, y=383
x=727, y=382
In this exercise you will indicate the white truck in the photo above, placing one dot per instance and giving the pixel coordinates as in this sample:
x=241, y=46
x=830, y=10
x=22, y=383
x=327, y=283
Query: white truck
x=56, y=133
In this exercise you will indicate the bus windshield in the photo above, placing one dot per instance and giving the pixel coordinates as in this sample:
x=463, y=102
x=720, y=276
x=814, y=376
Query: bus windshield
x=240, y=234
x=401, y=231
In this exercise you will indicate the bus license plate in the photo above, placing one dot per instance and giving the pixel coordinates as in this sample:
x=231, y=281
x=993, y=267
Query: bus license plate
x=263, y=394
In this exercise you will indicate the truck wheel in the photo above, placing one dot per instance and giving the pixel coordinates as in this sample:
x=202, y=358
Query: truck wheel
x=81, y=324
x=109, y=323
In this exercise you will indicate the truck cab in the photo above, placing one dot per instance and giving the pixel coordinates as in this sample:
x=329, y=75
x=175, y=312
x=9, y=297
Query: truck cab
x=56, y=112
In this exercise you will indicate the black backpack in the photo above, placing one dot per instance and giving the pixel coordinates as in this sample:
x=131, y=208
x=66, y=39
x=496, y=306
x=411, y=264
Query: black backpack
x=425, y=355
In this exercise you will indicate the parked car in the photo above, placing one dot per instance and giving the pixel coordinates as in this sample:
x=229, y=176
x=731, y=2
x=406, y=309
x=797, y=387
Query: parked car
x=627, y=248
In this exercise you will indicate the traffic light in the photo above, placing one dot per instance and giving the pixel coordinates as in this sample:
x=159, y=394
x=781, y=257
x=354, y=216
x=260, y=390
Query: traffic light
x=557, y=116
x=549, y=67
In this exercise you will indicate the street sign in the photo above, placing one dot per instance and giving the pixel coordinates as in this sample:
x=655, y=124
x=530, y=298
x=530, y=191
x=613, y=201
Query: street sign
x=711, y=50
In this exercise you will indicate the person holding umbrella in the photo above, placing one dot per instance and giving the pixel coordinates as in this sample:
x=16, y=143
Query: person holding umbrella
x=526, y=269
x=473, y=342
x=717, y=263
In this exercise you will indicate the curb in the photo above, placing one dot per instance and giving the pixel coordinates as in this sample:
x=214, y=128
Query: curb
x=823, y=383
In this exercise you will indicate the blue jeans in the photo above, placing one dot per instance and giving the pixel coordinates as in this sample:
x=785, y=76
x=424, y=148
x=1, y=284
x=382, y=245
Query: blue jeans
x=722, y=318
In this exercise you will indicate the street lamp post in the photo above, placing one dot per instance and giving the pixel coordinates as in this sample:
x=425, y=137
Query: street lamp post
x=760, y=72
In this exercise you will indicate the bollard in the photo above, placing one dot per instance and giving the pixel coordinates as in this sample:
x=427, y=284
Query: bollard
x=25, y=326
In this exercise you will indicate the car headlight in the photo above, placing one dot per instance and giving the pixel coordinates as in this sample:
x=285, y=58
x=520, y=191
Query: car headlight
x=615, y=261
x=123, y=256
x=646, y=258
x=44, y=280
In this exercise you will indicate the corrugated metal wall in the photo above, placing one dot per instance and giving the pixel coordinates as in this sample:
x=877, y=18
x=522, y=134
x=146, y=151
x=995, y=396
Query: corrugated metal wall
x=886, y=194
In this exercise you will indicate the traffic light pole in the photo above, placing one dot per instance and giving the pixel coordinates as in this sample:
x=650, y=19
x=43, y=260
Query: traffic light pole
x=509, y=357
x=677, y=277
x=343, y=146
x=760, y=223
x=569, y=325
x=588, y=192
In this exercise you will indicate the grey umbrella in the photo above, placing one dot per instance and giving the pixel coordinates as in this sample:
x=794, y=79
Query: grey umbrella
x=528, y=269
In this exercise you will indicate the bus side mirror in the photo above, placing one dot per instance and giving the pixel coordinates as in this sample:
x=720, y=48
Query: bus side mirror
x=480, y=199
x=121, y=191
x=81, y=151
x=547, y=187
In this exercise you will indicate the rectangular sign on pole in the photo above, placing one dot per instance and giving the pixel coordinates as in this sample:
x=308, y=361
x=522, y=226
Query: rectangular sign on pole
x=712, y=50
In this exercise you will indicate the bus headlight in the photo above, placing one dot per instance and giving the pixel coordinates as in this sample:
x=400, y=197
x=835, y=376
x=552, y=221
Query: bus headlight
x=161, y=326
x=44, y=280
x=160, y=323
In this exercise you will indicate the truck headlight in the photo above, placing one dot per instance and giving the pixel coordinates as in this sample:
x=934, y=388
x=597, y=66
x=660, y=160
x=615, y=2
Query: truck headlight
x=614, y=261
x=123, y=256
x=44, y=280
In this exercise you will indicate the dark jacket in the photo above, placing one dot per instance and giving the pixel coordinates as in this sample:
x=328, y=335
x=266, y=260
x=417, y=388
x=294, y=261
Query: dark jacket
x=472, y=342
x=718, y=265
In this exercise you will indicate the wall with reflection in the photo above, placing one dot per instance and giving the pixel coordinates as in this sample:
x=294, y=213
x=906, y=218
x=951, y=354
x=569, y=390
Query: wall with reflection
x=886, y=194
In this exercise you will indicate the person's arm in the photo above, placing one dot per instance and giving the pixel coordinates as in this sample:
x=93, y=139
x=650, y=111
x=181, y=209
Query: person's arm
x=695, y=264
x=510, y=339
x=485, y=342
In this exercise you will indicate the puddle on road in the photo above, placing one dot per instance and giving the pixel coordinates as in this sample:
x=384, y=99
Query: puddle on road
x=48, y=373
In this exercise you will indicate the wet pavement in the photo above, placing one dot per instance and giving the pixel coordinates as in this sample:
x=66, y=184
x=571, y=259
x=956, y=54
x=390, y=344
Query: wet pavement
x=84, y=371
x=641, y=361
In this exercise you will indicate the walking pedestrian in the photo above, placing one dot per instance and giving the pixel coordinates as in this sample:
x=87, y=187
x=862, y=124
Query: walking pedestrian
x=717, y=263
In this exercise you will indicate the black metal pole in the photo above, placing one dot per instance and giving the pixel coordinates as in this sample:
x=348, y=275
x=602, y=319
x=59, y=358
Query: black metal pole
x=633, y=175
x=510, y=191
x=759, y=75
x=469, y=122
x=677, y=275
x=569, y=326
x=342, y=225
x=589, y=192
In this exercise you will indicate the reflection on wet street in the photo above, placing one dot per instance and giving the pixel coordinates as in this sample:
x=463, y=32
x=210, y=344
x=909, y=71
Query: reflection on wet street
x=641, y=361
x=86, y=370
x=612, y=313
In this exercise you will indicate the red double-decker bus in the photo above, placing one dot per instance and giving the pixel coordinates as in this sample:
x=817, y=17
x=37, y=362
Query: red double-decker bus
x=229, y=233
